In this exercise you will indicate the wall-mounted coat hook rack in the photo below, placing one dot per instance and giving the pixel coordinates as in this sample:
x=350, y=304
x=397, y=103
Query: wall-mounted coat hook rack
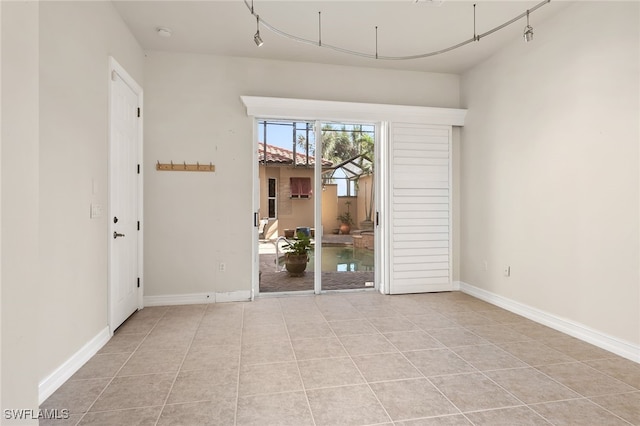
x=184, y=167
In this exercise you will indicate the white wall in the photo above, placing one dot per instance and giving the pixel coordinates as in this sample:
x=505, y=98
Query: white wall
x=1, y=405
x=19, y=190
x=54, y=148
x=76, y=40
x=550, y=168
x=193, y=112
x=73, y=168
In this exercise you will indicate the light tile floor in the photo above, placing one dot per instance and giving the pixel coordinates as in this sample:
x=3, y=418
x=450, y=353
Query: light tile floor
x=348, y=359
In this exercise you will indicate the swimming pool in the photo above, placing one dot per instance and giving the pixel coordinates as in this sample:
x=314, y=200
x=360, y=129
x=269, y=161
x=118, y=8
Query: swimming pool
x=343, y=259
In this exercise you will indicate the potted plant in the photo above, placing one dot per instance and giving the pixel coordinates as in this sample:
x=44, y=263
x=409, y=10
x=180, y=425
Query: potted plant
x=296, y=254
x=345, y=221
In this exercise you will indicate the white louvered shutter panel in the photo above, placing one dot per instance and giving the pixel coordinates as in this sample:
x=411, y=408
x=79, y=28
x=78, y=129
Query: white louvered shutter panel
x=420, y=204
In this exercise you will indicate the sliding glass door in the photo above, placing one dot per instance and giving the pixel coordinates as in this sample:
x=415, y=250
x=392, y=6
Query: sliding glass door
x=286, y=175
x=348, y=200
x=316, y=188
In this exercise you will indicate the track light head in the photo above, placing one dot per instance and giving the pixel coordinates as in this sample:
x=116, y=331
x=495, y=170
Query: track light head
x=528, y=31
x=258, y=39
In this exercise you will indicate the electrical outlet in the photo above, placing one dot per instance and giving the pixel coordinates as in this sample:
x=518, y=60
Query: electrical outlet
x=222, y=267
x=507, y=271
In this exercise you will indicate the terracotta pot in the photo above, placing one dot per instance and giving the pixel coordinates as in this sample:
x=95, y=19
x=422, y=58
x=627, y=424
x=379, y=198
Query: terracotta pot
x=345, y=228
x=296, y=264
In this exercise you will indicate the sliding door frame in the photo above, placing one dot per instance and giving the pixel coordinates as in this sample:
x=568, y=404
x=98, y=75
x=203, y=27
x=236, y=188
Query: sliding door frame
x=317, y=199
x=381, y=219
x=382, y=115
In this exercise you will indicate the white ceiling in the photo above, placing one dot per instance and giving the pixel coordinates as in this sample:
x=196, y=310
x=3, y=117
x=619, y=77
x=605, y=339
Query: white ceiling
x=404, y=28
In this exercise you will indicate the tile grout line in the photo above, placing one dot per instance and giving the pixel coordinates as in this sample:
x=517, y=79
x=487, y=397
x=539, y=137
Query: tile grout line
x=295, y=358
x=368, y=308
x=121, y=367
x=427, y=378
x=164, y=404
x=608, y=411
x=566, y=386
x=581, y=398
x=606, y=374
x=526, y=365
x=235, y=411
x=477, y=371
x=358, y=368
x=541, y=372
x=551, y=378
x=500, y=386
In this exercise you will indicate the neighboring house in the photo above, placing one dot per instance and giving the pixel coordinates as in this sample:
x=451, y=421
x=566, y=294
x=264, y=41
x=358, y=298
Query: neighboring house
x=286, y=190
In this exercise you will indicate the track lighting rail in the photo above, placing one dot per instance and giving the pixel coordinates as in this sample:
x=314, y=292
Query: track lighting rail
x=318, y=43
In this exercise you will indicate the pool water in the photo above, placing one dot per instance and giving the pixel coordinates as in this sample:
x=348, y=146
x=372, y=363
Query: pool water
x=343, y=259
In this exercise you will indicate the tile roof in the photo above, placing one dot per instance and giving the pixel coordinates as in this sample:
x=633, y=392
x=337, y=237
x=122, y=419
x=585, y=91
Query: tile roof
x=278, y=155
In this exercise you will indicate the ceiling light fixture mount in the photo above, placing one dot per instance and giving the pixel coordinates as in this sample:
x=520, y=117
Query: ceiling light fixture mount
x=528, y=36
x=432, y=2
x=476, y=37
x=164, y=32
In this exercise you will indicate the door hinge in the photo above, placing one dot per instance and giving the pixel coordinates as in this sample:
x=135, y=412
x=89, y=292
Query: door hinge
x=138, y=112
x=138, y=225
x=138, y=168
x=138, y=282
x=377, y=218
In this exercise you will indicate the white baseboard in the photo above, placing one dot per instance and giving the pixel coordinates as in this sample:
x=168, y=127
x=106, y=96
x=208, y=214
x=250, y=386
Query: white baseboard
x=52, y=382
x=197, y=298
x=612, y=344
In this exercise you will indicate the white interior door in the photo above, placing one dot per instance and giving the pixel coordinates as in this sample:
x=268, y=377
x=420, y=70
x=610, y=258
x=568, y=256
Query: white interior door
x=124, y=208
x=420, y=208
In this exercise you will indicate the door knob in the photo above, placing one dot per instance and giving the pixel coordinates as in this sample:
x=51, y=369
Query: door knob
x=116, y=235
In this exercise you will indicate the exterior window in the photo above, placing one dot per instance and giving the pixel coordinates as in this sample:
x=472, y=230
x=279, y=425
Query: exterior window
x=272, y=199
x=300, y=187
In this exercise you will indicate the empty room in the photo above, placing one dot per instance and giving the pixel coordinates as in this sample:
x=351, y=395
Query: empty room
x=408, y=212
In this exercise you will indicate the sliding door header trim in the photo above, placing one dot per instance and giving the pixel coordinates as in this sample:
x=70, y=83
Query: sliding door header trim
x=304, y=109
